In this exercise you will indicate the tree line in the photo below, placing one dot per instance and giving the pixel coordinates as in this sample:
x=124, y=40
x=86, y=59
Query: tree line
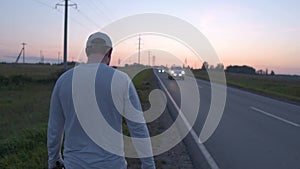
x=236, y=69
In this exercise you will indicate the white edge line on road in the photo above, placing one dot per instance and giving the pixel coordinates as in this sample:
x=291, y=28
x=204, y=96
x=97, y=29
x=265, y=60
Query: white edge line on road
x=201, y=146
x=275, y=117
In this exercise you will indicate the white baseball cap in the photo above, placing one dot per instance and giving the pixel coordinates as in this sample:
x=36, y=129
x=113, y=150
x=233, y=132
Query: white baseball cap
x=98, y=39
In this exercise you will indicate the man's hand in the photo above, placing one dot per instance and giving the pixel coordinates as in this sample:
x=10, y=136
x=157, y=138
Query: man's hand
x=59, y=165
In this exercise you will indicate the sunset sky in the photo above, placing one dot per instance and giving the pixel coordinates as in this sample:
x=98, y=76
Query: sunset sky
x=260, y=33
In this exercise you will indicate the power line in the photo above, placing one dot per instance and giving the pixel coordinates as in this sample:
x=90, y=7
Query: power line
x=82, y=25
x=43, y=3
x=88, y=18
x=108, y=10
x=149, y=55
x=94, y=4
x=139, y=54
x=57, y=10
x=85, y=16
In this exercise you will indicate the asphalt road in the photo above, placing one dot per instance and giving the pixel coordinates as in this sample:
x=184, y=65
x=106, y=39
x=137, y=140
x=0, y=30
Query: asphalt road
x=255, y=132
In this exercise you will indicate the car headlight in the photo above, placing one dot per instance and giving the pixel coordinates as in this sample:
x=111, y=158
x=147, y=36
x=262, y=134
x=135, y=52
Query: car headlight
x=159, y=70
x=172, y=71
x=182, y=72
x=163, y=70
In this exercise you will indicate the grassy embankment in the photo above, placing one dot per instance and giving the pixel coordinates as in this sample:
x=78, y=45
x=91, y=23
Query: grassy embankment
x=25, y=92
x=284, y=87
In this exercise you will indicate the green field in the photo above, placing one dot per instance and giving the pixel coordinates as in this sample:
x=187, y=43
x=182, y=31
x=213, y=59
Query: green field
x=282, y=87
x=25, y=92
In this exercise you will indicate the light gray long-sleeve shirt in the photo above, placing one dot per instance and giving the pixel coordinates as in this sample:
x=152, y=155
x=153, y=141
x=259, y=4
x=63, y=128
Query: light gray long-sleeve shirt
x=80, y=151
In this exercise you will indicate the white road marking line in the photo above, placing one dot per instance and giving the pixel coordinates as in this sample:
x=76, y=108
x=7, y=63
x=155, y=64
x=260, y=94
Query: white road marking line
x=201, y=146
x=275, y=117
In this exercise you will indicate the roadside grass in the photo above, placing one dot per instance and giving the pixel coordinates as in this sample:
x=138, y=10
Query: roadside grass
x=284, y=87
x=142, y=82
x=26, y=106
x=25, y=150
x=25, y=92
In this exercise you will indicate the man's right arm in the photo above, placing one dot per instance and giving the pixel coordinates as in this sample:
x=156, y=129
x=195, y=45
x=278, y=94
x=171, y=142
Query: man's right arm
x=55, y=130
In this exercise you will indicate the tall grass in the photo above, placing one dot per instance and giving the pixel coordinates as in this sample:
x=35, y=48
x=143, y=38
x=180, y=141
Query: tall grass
x=25, y=92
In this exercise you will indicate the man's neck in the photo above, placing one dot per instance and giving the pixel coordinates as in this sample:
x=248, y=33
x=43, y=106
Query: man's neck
x=96, y=59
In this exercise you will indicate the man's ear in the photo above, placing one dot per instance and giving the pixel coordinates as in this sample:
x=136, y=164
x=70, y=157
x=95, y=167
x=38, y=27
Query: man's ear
x=110, y=52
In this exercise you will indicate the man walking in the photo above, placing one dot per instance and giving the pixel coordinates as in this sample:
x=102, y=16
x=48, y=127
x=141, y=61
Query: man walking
x=80, y=149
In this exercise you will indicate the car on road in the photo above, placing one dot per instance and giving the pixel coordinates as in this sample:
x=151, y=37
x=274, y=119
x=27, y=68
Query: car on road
x=176, y=72
x=161, y=69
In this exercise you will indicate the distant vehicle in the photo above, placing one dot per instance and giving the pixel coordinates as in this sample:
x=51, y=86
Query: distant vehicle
x=161, y=69
x=176, y=72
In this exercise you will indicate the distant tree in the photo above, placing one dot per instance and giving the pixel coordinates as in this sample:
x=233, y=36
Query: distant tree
x=212, y=67
x=240, y=69
x=260, y=72
x=272, y=73
x=204, y=66
x=219, y=67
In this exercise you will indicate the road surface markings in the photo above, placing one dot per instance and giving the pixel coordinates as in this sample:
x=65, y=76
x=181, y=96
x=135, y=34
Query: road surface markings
x=275, y=117
x=201, y=146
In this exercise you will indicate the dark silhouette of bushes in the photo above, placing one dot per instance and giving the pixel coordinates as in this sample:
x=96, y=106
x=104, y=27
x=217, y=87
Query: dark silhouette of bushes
x=4, y=81
x=19, y=80
x=241, y=69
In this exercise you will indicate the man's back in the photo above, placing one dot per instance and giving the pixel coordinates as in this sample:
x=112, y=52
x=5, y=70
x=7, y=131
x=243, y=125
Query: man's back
x=80, y=151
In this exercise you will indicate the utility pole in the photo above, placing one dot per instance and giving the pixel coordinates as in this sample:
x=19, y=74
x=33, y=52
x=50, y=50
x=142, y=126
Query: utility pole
x=66, y=5
x=58, y=57
x=153, y=60
x=23, y=52
x=42, y=57
x=149, y=53
x=139, y=55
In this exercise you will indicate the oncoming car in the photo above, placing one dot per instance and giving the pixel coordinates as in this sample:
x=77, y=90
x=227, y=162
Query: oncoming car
x=176, y=72
x=161, y=69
